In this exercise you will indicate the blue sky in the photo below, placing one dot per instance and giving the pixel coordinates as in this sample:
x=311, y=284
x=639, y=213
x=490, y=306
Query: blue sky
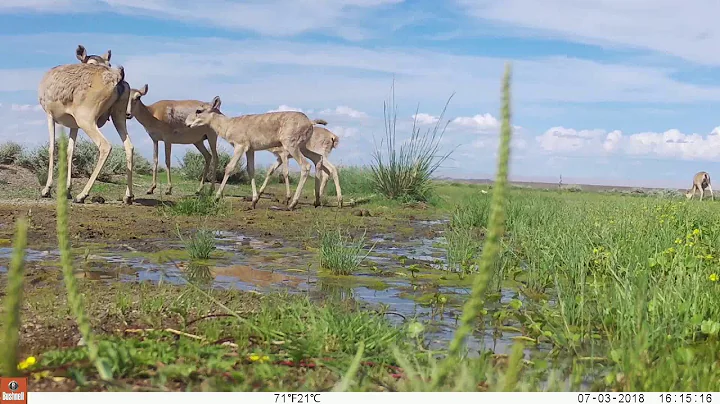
x=605, y=91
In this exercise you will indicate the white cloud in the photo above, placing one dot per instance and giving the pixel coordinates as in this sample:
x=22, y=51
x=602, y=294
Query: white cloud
x=425, y=119
x=345, y=111
x=688, y=30
x=25, y=107
x=344, y=132
x=284, y=107
x=671, y=144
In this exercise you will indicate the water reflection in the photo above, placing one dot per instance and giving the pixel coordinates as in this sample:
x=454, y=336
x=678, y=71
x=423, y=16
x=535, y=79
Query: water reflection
x=199, y=274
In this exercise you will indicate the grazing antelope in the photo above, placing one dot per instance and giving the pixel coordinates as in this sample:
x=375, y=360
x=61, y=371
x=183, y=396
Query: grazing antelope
x=701, y=181
x=321, y=143
x=248, y=133
x=165, y=121
x=85, y=96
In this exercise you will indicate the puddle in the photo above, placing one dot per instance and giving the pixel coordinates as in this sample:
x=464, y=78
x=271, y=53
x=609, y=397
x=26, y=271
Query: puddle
x=264, y=264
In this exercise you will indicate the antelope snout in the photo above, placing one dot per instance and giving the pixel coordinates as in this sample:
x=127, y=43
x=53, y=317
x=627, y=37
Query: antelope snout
x=128, y=116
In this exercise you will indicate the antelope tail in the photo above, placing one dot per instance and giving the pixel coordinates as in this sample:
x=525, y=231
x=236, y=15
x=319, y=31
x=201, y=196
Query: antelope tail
x=319, y=122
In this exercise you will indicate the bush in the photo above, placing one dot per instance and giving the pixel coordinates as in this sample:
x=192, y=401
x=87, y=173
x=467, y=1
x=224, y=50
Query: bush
x=193, y=163
x=84, y=159
x=10, y=152
x=405, y=172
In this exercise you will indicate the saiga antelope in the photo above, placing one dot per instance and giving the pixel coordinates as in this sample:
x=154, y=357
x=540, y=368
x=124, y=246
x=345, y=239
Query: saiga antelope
x=701, y=181
x=165, y=121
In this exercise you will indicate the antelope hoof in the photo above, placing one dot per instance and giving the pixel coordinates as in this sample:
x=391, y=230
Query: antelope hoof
x=316, y=204
x=128, y=199
x=287, y=201
x=254, y=203
x=45, y=193
x=80, y=199
x=340, y=203
x=150, y=191
x=168, y=192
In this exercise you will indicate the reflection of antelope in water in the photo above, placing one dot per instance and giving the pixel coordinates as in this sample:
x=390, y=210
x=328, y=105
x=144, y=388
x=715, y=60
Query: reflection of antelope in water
x=700, y=182
x=252, y=276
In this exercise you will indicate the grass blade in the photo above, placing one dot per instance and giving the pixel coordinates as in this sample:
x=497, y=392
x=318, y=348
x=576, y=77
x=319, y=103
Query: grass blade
x=13, y=299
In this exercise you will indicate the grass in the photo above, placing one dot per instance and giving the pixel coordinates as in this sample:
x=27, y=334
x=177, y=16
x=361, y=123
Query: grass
x=203, y=204
x=339, y=253
x=604, y=291
x=404, y=171
x=201, y=244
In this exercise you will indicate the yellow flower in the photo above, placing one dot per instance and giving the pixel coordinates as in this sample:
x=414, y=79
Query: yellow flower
x=27, y=363
x=678, y=241
x=696, y=232
x=595, y=250
x=690, y=244
x=714, y=277
x=709, y=257
x=258, y=358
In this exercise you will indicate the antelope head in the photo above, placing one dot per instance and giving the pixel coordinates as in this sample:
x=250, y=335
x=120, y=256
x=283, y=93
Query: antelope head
x=83, y=57
x=134, y=99
x=203, y=115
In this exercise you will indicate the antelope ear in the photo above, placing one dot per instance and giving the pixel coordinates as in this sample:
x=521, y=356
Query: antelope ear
x=216, y=103
x=81, y=53
x=107, y=55
x=144, y=90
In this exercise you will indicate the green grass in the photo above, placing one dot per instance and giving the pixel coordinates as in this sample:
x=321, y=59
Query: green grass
x=203, y=204
x=621, y=291
x=403, y=169
x=339, y=253
x=201, y=244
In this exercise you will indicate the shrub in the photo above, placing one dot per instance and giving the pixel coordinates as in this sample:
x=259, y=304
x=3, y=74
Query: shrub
x=193, y=164
x=10, y=152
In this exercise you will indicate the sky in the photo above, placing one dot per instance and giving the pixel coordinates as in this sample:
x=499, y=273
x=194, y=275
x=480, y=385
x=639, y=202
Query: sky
x=621, y=92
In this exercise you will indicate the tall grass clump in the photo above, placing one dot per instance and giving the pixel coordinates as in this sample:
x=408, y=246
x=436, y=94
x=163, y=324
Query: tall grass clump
x=13, y=300
x=491, y=248
x=75, y=298
x=339, y=253
x=201, y=244
x=404, y=171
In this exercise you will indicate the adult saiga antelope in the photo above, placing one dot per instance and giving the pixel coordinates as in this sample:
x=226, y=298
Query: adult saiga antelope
x=165, y=121
x=85, y=96
x=701, y=181
x=321, y=144
x=248, y=133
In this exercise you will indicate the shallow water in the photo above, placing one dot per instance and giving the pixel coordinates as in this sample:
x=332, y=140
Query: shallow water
x=273, y=264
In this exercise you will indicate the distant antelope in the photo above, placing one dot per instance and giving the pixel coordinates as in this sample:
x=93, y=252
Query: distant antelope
x=85, y=96
x=701, y=181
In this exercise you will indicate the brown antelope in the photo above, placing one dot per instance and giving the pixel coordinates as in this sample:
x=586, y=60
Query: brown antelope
x=248, y=133
x=165, y=121
x=85, y=96
x=701, y=181
x=321, y=143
